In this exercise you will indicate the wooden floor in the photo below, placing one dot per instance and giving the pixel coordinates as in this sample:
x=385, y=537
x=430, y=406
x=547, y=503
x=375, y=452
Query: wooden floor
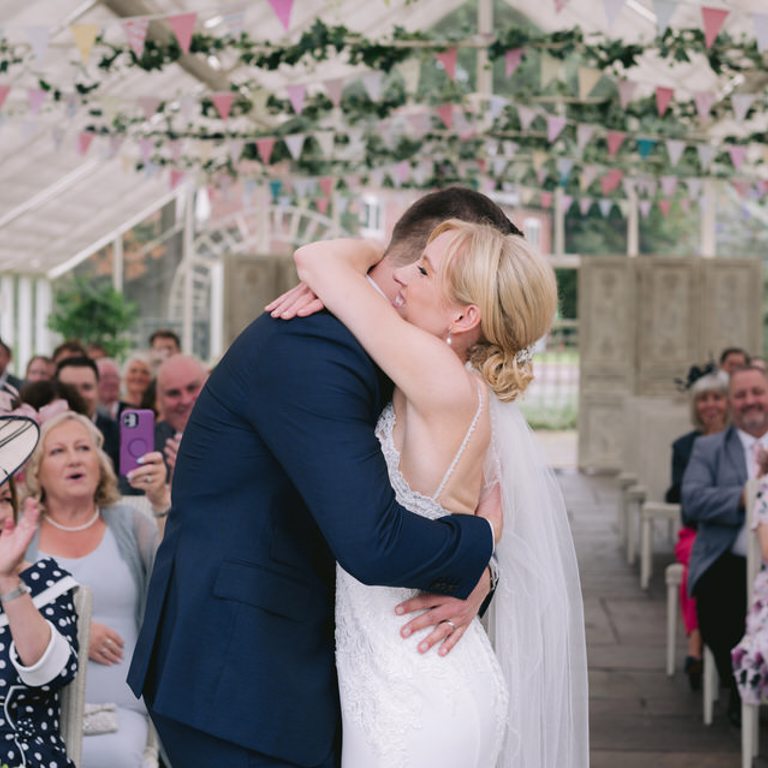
x=639, y=717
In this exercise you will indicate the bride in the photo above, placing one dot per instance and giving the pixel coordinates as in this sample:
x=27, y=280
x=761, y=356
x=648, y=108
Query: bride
x=457, y=346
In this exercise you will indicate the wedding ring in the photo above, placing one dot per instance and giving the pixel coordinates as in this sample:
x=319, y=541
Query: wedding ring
x=451, y=624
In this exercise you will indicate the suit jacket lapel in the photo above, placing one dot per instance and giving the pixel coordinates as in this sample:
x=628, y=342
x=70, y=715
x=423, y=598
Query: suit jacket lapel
x=734, y=450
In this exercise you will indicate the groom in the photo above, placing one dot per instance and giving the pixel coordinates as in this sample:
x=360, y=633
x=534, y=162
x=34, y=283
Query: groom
x=278, y=477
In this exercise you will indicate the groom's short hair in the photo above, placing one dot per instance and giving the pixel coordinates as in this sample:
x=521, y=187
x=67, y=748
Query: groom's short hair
x=410, y=234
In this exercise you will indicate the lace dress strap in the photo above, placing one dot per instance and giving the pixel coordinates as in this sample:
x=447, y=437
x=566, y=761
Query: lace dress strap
x=464, y=443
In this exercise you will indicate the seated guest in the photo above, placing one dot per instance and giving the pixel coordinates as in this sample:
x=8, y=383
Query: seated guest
x=40, y=368
x=109, y=548
x=162, y=344
x=38, y=643
x=713, y=499
x=83, y=375
x=709, y=410
x=732, y=358
x=179, y=381
x=38, y=394
x=137, y=376
x=68, y=348
x=109, y=387
x=7, y=379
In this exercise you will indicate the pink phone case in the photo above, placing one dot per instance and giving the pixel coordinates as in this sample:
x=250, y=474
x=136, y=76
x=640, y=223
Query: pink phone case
x=137, y=437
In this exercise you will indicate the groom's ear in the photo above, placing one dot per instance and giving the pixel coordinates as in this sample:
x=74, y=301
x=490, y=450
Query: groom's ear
x=466, y=319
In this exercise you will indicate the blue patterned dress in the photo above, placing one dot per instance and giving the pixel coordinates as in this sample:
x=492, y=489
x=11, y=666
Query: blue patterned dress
x=29, y=697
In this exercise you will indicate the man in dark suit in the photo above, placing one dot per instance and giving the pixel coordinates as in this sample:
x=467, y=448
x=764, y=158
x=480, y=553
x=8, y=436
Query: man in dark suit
x=6, y=377
x=83, y=374
x=714, y=499
x=279, y=475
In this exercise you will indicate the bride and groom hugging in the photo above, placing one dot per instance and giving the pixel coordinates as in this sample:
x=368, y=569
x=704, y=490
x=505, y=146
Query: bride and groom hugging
x=270, y=629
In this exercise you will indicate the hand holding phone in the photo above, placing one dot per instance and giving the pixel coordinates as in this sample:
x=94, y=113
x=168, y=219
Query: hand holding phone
x=137, y=437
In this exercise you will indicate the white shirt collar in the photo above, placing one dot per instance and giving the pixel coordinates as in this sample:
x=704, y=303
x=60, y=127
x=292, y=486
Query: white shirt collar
x=376, y=286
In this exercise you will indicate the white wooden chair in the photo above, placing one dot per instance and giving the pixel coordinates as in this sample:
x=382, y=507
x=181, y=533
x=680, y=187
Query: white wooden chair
x=710, y=686
x=750, y=713
x=72, y=697
x=674, y=578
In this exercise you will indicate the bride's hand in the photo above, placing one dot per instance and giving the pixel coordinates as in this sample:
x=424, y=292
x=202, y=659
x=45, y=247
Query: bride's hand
x=298, y=302
x=449, y=616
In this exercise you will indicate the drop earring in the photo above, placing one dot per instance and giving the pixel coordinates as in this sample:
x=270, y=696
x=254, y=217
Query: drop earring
x=449, y=340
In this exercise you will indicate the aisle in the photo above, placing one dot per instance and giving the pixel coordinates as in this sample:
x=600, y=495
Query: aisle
x=639, y=717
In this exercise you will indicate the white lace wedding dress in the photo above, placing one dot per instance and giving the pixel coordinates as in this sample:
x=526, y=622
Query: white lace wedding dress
x=401, y=708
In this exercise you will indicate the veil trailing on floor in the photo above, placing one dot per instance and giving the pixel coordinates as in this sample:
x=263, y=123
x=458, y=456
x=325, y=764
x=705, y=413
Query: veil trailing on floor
x=537, y=617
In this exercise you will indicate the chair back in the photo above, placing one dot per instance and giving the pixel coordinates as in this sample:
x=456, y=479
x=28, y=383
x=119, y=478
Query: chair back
x=72, y=697
x=754, y=555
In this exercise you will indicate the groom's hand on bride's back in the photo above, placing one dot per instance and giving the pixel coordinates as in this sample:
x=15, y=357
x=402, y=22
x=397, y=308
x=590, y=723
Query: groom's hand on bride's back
x=449, y=617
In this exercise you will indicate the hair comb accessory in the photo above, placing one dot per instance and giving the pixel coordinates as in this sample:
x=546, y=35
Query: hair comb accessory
x=695, y=372
x=524, y=356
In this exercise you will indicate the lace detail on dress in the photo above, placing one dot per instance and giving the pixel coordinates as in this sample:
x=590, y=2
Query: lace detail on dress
x=382, y=677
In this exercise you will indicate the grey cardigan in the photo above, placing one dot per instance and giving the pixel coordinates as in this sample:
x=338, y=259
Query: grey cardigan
x=137, y=539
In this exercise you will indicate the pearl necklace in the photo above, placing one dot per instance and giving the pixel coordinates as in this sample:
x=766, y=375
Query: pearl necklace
x=73, y=528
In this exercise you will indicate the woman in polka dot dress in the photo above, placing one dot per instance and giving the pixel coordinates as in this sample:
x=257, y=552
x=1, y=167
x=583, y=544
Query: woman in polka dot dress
x=38, y=646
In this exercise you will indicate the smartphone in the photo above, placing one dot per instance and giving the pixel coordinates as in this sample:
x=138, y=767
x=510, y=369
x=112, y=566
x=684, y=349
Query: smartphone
x=137, y=437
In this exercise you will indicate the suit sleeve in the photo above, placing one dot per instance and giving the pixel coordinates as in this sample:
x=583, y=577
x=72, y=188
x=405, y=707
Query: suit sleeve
x=317, y=402
x=704, y=500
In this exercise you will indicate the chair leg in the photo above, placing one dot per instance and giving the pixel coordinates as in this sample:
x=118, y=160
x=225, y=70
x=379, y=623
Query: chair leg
x=621, y=521
x=632, y=531
x=671, y=627
x=750, y=717
x=646, y=539
x=711, y=684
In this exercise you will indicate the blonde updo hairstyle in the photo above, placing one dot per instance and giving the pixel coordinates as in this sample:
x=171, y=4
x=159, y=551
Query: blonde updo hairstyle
x=514, y=288
x=106, y=490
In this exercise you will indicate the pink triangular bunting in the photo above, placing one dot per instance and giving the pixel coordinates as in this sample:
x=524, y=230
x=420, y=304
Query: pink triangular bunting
x=4, y=91
x=555, y=126
x=223, y=100
x=282, y=9
x=445, y=111
x=663, y=97
x=546, y=199
x=704, y=101
x=583, y=134
x=668, y=185
x=296, y=95
x=526, y=115
x=176, y=177
x=713, y=19
x=585, y=203
x=334, y=88
x=448, y=60
x=664, y=206
x=136, y=33
x=738, y=154
x=741, y=102
x=512, y=60
x=183, y=24
x=265, y=147
x=611, y=181
x=614, y=139
x=84, y=139
x=675, y=149
x=760, y=22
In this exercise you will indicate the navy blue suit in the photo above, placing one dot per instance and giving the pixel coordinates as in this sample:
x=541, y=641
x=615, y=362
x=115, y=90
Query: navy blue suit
x=280, y=475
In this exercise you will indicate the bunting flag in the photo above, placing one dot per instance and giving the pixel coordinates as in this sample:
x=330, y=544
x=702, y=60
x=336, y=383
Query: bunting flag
x=510, y=148
x=445, y=112
x=605, y=205
x=704, y=101
x=223, y=100
x=585, y=203
x=175, y=178
x=760, y=22
x=560, y=4
x=295, y=144
x=589, y=77
x=588, y=175
x=175, y=148
x=84, y=139
x=115, y=142
x=645, y=208
x=35, y=98
x=584, y=133
x=526, y=115
x=265, y=147
x=706, y=154
x=613, y=9
x=275, y=187
x=628, y=186
x=541, y=175
x=614, y=139
x=539, y=158
x=188, y=107
x=410, y=71
x=38, y=38
x=611, y=180
x=740, y=103
x=148, y=105
x=555, y=127
x=663, y=97
x=645, y=146
x=499, y=166
x=664, y=207
x=322, y=205
x=546, y=199
x=626, y=92
x=325, y=140
x=512, y=60
x=401, y=171
x=668, y=185
x=182, y=25
x=694, y=187
x=448, y=60
x=235, y=149
x=566, y=201
x=738, y=154
x=327, y=184
x=496, y=106
x=282, y=9
x=373, y=83
x=564, y=167
x=713, y=19
x=296, y=94
x=550, y=69
x=4, y=91
x=675, y=149
x=334, y=88
x=136, y=33
x=146, y=146
x=664, y=10
x=85, y=35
